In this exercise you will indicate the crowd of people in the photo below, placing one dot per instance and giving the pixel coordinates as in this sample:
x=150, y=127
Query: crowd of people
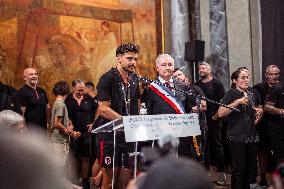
x=252, y=119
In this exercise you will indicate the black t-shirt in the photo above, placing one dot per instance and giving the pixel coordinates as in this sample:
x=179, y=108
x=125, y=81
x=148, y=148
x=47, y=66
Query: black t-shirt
x=35, y=101
x=111, y=88
x=241, y=127
x=213, y=90
x=192, y=100
x=262, y=126
x=276, y=123
x=83, y=114
x=9, y=99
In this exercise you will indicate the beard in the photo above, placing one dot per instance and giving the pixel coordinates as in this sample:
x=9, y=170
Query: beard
x=130, y=69
x=33, y=81
x=203, y=76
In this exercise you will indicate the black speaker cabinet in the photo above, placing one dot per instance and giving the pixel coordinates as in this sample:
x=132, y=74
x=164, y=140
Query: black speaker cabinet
x=194, y=50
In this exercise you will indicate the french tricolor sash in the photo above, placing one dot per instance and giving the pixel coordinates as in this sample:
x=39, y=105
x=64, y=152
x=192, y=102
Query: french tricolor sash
x=167, y=96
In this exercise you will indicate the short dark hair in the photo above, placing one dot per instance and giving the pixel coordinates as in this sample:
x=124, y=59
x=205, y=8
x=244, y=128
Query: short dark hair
x=242, y=68
x=89, y=84
x=235, y=75
x=61, y=88
x=127, y=47
x=76, y=81
x=176, y=69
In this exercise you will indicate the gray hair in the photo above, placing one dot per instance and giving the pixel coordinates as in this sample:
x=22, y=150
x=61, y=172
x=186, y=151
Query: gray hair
x=10, y=119
x=205, y=64
x=164, y=56
x=270, y=67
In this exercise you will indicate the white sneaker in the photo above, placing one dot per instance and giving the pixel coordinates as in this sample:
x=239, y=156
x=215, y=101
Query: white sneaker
x=255, y=186
x=222, y=179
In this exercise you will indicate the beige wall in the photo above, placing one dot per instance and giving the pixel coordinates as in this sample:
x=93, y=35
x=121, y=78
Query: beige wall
x=205, y=29
x=239, y=34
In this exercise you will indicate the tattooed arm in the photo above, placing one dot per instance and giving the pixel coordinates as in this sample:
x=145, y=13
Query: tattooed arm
x=269, y=108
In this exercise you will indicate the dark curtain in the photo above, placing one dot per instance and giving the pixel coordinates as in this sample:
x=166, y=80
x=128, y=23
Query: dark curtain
x=272, y=20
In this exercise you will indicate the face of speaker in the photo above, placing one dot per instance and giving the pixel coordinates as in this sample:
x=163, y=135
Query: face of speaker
x=127, y=61
x=165, y=68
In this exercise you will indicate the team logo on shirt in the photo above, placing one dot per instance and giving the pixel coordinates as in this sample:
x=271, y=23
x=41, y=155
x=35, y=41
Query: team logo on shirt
x=107, y=160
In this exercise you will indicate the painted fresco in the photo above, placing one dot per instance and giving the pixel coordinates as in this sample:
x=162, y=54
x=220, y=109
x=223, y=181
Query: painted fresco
x=72, y=39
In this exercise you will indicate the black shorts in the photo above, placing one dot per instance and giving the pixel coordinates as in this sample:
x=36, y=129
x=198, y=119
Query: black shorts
x=81, y=147
x=105, y=152
x=277, y=147
x=264, y=144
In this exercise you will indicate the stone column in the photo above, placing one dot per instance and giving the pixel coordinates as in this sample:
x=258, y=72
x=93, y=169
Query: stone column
x=180, y=33
x=219, y=41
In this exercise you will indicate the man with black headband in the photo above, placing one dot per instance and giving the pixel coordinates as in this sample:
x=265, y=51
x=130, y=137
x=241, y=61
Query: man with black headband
x=114, y=89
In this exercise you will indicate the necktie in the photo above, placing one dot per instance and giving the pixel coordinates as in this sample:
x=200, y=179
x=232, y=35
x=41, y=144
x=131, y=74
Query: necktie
x=169, y=86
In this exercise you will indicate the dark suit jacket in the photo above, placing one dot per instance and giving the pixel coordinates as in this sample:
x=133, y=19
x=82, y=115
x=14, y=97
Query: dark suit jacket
x=9, y=99
x=156, y=105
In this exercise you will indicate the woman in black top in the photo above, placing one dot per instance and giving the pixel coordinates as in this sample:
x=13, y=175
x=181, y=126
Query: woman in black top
x=241, y=130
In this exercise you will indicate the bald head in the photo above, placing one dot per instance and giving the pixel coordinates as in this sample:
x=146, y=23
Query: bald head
x=30, y=76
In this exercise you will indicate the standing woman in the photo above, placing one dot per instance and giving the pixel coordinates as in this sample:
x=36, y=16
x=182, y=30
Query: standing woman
x=241, y=131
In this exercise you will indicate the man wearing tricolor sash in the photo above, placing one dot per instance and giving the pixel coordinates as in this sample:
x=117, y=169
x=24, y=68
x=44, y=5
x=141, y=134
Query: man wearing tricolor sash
x=162, y=97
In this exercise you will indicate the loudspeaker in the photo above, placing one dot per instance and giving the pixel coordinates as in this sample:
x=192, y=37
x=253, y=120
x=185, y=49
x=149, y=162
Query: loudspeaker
x=194, y=50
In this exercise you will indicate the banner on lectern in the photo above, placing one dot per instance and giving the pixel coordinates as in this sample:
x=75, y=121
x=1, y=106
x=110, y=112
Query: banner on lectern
x=151, y=127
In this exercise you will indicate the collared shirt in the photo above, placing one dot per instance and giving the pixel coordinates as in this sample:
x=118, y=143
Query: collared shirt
x=35, y=101
x=83, y=114
x=111, y=88
x=241, y=126
x=171, y=81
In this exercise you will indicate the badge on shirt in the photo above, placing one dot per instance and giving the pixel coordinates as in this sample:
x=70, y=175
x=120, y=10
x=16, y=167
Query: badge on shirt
x=107, y=160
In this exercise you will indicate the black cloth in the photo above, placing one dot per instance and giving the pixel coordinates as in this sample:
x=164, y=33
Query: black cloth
x=35, y=101
x=243, y=164
x=156, y=105
x=112, y=88
x=241, y=127
x=213, y=90
x=9, y=99
x=276, y=96
x=276, y=122
x=262, y=126
x=81, y=116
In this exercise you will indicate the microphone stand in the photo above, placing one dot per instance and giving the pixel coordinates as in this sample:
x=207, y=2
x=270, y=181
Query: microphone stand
x=127, y=105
